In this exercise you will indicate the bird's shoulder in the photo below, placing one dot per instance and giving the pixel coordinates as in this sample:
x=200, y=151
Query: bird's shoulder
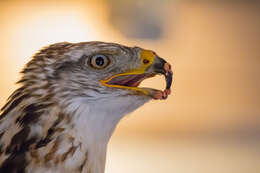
x=34, y=137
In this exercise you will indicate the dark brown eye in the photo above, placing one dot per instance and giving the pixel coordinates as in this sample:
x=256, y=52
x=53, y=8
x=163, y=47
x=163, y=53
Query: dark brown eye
x=99, y=61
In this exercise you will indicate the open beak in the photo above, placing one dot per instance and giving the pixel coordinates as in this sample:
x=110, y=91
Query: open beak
x=151, y=66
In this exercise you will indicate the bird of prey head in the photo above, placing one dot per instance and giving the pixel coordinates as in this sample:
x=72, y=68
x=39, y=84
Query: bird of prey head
x=70, y=99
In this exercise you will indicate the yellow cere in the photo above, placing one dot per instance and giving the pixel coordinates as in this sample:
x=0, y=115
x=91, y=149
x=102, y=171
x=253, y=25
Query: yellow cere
x=148, y=55
x=144, y=55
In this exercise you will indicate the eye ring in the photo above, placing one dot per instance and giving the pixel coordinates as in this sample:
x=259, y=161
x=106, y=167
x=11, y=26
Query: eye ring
x=99, y=61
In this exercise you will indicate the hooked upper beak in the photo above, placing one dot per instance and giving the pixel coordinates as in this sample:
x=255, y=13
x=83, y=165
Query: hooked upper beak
x=162, y=67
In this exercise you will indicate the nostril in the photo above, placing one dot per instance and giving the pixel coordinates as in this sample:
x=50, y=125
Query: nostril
x=146, y=61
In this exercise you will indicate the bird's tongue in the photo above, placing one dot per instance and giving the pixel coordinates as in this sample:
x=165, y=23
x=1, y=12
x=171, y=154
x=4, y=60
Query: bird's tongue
x=128, y=80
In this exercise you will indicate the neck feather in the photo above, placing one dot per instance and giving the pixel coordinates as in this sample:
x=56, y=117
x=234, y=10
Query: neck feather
x=95, y=122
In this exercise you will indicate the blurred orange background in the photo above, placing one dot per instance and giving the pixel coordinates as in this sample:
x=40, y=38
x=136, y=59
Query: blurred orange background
x=210, y=123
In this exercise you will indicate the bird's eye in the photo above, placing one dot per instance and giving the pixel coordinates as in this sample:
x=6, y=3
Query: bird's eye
x=99, y=61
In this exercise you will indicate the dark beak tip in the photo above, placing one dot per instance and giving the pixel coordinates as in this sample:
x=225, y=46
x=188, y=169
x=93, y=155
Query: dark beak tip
x=163, y=67
x=168, y=75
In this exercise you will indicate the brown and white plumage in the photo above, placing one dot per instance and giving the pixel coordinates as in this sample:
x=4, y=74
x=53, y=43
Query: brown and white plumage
x=70, y=99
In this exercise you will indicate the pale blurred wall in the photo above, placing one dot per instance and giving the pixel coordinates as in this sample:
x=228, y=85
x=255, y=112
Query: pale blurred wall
x=213, y=47
x=218, y=58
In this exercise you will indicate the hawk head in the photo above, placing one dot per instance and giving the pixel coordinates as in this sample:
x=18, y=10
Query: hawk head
x=98, y=70
x=70, y=100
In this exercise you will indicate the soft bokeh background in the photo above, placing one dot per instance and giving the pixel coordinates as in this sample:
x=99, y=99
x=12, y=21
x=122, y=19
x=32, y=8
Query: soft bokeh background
x=210, y=123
